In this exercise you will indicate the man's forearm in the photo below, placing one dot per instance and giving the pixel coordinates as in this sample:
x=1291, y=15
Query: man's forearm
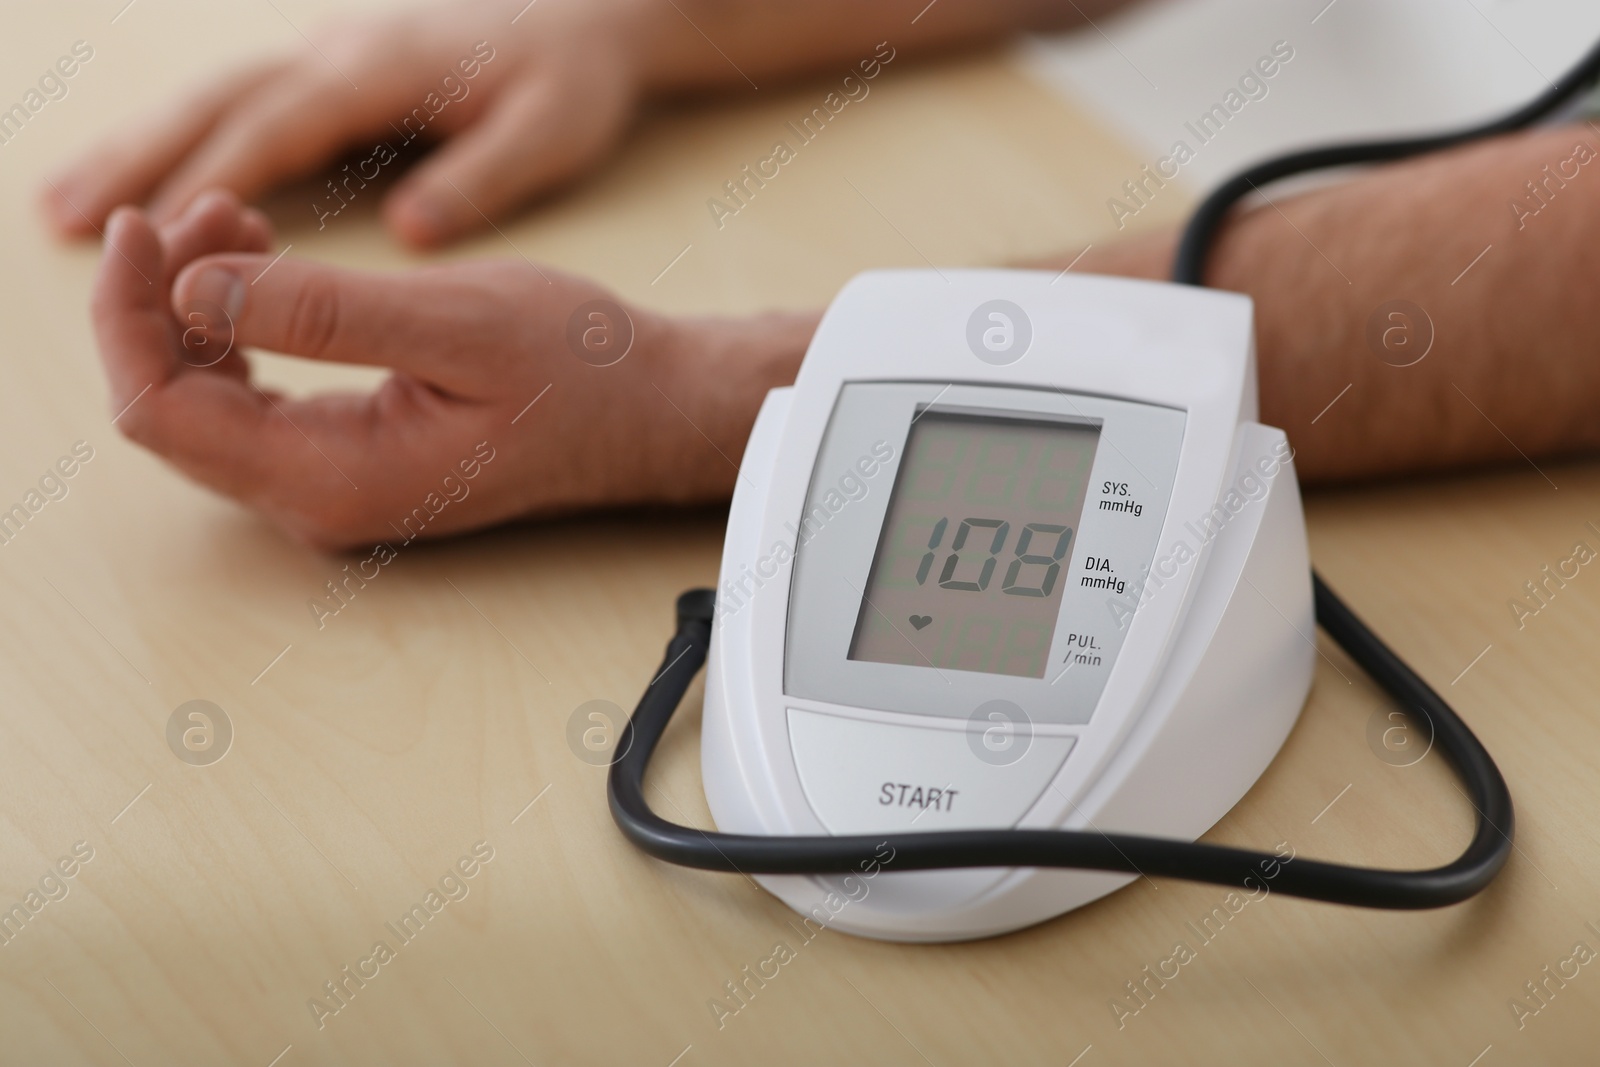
x=1507, y=318
x=759, y=39
x=1512, y=370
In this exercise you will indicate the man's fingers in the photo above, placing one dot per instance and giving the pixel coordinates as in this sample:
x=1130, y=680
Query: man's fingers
x=302, y=463
x=331, y=469
x=219, y=431
x=215, y=222
x=124, y=168
x=528, y=141
x=271, y=453
x=405, y=321
x=131, y=318
x=284, y=131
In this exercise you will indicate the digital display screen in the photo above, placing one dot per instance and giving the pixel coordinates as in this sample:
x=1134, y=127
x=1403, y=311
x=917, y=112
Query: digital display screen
x=976, y=544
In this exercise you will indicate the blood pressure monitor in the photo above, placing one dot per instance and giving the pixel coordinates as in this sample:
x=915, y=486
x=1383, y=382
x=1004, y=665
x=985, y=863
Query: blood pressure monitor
x=1013, y=552
x=1015, y=604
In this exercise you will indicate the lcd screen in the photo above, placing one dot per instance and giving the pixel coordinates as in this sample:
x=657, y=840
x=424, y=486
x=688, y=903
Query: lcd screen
x=976, y=542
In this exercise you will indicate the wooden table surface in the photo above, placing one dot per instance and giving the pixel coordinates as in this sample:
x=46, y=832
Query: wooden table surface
x=370, y=756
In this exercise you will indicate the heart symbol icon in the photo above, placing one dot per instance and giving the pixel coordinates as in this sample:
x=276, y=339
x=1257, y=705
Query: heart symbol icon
x=919, y=621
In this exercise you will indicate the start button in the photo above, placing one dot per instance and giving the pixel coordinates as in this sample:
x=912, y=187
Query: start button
x=865, y=777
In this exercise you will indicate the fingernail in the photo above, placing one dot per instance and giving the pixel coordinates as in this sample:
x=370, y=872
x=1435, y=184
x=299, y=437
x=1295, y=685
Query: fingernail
x=221, y=287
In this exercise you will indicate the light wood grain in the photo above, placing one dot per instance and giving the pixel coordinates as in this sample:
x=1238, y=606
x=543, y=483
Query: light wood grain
x=428, y=714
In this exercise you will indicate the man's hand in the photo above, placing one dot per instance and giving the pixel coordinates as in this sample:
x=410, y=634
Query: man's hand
x=520, y=106
x=553, y=402
x=524, y=96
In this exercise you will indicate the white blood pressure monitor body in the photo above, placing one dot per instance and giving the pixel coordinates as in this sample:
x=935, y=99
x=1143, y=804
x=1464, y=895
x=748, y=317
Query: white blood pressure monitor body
x=1012, y=552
